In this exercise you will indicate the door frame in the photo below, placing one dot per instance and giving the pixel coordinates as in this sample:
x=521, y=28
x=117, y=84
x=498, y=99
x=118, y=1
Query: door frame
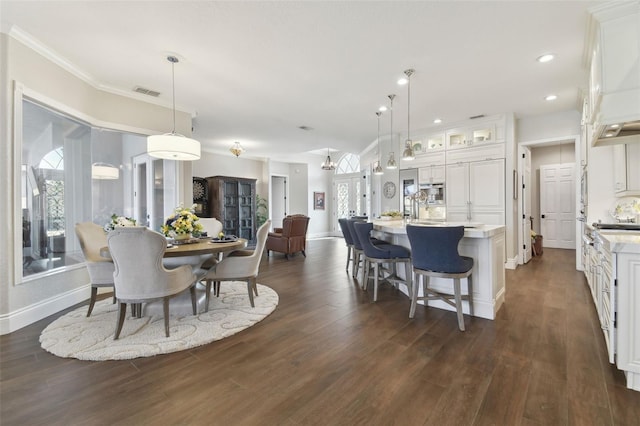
x=286, y=193
x=577, y=143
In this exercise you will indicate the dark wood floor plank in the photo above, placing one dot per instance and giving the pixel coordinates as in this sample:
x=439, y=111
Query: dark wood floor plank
x=329, y=355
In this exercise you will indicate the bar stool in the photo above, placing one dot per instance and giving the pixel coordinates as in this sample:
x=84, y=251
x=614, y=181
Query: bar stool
x=357, y=246
x=380, y=254
x=348, y=239
x=434, y=253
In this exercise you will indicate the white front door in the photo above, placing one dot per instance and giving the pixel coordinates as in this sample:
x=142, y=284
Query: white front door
x=557, y=205
x=348, y=191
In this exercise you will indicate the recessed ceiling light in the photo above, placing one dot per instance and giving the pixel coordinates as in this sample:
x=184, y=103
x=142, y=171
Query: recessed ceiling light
x=403, y=81
x=437, y=121
x=550, y=98
x=545, y=58
x=382, y=108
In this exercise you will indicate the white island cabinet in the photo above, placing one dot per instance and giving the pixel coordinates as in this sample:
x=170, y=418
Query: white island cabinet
x=485, y=244
x=624, y=250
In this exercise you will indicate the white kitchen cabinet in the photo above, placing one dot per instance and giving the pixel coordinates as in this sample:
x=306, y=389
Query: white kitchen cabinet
x=471, y=136
x=626, y=169
x=618, y=299
x=431, y=174
x=476, y=192
x=434, y=143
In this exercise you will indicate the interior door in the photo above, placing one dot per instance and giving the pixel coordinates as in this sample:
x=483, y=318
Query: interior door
x=557, y=205
x=525, y=199
x=278, y=200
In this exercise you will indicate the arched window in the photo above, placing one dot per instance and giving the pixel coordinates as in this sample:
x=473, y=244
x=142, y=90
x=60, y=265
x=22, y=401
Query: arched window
x=349, y=163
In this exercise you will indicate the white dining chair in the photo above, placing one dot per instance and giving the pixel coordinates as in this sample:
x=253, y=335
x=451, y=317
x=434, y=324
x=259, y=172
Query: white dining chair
x=239, y=268
x=140, y=276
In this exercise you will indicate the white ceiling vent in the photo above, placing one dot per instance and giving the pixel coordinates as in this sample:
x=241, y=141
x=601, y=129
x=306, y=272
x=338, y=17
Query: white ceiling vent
x=147, y=92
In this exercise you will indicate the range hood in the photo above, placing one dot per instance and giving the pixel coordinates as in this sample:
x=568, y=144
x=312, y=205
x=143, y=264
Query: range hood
x=614, y=94
x=620, y=132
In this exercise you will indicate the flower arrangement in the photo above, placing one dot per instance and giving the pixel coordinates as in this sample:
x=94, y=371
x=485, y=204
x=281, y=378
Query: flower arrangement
x=392, y=213
x=118, y=221
x=181, y=223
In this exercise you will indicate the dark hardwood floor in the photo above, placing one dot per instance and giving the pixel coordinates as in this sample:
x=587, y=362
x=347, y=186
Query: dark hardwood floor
x=329, y=356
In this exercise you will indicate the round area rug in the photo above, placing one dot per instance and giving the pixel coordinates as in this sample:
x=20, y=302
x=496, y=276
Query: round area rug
x=76, y=336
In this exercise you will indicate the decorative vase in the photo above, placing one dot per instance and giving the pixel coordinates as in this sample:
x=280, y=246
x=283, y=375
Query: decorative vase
x=182, y=237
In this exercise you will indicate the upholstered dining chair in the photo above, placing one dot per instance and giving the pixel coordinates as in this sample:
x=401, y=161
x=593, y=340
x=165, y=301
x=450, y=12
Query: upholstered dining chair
x=140, y=276
x=212, y=227
x=377, y=255
x=239, y=268
x=291, y=238
x=357, y=247
x=434, y=253
x=92, y=238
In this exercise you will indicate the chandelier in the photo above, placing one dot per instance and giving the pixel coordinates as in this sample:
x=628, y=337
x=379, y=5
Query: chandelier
x=236, y=149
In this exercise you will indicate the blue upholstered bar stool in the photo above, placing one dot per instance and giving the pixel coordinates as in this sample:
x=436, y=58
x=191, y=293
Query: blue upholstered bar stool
x=434, y=253
x=347, y=239
x=357, y=246
x=383, y=253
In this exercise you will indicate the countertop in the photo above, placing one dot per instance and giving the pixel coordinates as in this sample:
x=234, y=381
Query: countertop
x=621, y=241
x=475, y=230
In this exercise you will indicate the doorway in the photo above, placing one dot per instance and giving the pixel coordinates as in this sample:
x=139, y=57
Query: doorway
x=278, y=200
x=542, y=153
x=348, y=199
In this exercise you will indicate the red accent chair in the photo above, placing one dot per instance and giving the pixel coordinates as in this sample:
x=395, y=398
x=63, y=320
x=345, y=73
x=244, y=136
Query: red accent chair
x=291, y=238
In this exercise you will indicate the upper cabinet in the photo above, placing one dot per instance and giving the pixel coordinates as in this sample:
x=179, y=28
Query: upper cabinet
x=614, y=80
x=471, y=136
x=434, y=143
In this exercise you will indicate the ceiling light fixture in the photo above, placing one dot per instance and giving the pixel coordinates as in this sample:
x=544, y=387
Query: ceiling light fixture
x=173, y=146
x=408, y=154
x=545, y=58
x=328, y=164
x=377, y=170
x=236, y=149
x=437, y=121
x=382, y=108
x=391, y=163
x=104, y=171
x=550, y=98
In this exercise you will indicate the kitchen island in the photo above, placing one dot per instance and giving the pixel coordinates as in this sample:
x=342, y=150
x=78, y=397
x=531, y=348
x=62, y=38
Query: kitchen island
x=484, y=243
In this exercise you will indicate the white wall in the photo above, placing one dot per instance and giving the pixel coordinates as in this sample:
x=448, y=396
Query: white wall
x=548, y=126
x=23, y=303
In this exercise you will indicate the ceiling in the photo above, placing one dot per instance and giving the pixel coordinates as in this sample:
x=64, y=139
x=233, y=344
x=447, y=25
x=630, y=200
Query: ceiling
x=254, y=72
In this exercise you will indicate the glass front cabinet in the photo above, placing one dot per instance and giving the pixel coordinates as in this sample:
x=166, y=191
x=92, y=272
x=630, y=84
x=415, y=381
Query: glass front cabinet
x=470, y=136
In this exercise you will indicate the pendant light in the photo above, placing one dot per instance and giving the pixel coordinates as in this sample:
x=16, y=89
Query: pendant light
x=377, y=170
x=236, y=149
x=407, y=154
x=104, y=171
x=328, y=164
x=173, y=146
x=391, y=163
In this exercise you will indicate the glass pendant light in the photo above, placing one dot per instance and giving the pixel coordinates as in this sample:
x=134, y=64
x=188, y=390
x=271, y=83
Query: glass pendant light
x=408, y=154
x=236, y=149
x=173, y=146
x=391, y=163
x=377, y=170
x=328, y=164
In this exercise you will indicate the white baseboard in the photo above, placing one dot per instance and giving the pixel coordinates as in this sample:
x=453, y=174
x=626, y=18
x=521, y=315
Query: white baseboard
x=319, y=235
x=28, y=315
x=511, y=263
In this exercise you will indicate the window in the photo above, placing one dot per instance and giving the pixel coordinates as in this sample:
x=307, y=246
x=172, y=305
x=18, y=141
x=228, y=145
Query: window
x=349, y=163
x=58, y=189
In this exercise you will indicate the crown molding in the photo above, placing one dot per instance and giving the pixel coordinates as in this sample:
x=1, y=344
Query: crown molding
x=53, y=56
